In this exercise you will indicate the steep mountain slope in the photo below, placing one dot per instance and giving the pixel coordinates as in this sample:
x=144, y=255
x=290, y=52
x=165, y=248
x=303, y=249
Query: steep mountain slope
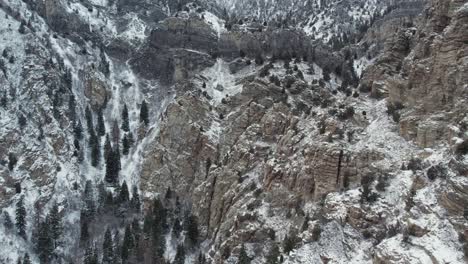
x=260, y=131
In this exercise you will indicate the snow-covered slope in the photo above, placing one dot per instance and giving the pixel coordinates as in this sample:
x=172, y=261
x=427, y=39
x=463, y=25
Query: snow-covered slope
x=261, y=141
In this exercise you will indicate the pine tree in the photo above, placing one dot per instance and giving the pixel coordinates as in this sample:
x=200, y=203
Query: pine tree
x=305, y=225
x=95, y=149
x=176, y=228
x=19, y=260
x=44, y=244
x=22, y=28
x=125, y=123
x=21, y=218
x=125, y=145
x=88, y=198
x=108, y=248
x=135, y=202
x=243, y=257
x=101, y=196
x=112, y=166
x=289, y=242
x=316, y=232
x=201, y=259
x=109, y=203
x=131, y=140
x=4, y=99
x=273, y=255
x=95, y=259
x=144, y=113
x=89, y=120
x=12, y=160
x=78, y=130
x=89, y=255
x=115, y=132
x=128, y=243
x=191, y=227
x=84, y=230
x=118, y=164
x=72, y=108
x=104, y=66
x=55, y=224
x=136, y=230
x=117, y=246
x=107, y=147
x=147, y=224
x=180, y=255
x=157, y=227
x=124, y=195
x=26, y=259
x=101, y=129
x=7, y=223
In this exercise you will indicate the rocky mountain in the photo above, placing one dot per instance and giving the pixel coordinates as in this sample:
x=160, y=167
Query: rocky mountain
x=243, y=131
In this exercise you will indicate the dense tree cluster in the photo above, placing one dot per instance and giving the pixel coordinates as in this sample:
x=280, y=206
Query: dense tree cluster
x=143, y=239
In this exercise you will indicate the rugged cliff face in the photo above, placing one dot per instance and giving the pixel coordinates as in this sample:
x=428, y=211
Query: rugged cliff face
x=290, y=131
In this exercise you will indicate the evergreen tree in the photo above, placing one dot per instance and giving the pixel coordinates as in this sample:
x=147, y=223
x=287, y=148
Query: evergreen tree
x=180, y=255
x=12, y=160
x=55, y=224
x=112, y=167
x=108, y=248
x=128, y=243
x=7, y=223
x=316, y=232
x=88, y=198
x=176, y=228
x=124, y=195
x=201, y=259
x=89, y=255
x=101, y=129
x=44, y=244
x=117, y=246
x=26, y=259
x=159, y=215
x=191, y=227
x=101, y=197
x=72, y=108
x=144, y=113
x=107, y=147
x=95, y=259
x=305, y=225
x=168, y=195
x=4, y=99
x=89, y=120
x=22, y=28
x=147, y=224
x=131, y=140
x=109, y=203
x=95, y=148
x=273, y=255
x=115, y=132
x=157, y=229
x=117, y=157
x=125, y=145
x=289, y=242
x=125, y=123
x=243, y=257
x=104, y=65
x=78, y=130
x=19, y=260
x=21, y=218
x=21, y=120
x=135, y=202
x=136, y=230
x=84, y=230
